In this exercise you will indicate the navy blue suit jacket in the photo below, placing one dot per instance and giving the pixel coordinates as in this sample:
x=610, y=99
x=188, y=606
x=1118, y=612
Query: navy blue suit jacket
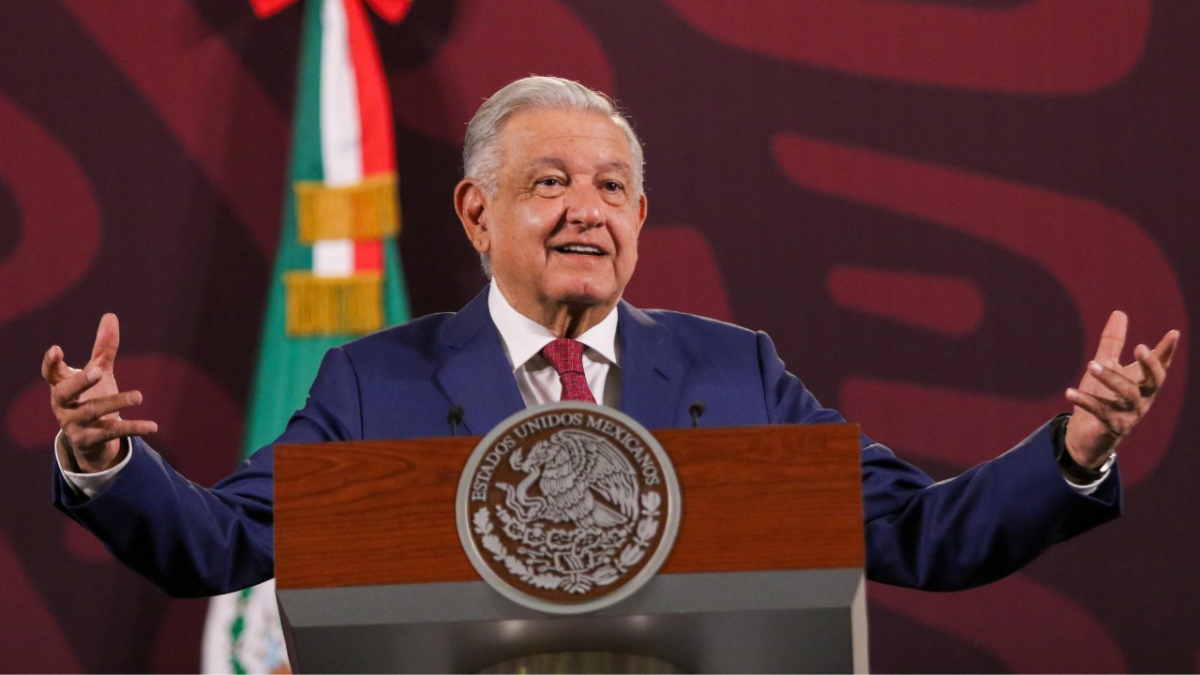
x=398, y=383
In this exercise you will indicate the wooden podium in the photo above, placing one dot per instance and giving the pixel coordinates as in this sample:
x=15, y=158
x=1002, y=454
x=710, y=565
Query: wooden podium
x=766, y=574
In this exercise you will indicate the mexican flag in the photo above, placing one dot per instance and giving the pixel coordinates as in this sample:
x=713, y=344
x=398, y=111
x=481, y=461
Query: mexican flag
x=337, y=273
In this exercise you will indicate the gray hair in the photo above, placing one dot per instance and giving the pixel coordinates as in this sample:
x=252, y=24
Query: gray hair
x=481, y=151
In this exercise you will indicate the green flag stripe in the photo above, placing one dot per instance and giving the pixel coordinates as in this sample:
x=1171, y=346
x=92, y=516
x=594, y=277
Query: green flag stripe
x=287, y=365
x=306, y=131
x=395, y=291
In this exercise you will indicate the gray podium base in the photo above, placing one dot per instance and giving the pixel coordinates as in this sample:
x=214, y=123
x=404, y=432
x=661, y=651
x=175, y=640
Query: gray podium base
x=778, y=621
x=600, y=663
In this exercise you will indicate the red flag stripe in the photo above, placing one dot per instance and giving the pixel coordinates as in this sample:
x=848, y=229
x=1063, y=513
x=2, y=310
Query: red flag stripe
x=392, y=10
x=264, y=8
x=368, y=255
x=374, y=103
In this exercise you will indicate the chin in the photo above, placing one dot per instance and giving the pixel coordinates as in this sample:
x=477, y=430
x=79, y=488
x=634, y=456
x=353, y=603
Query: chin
x=584, y=291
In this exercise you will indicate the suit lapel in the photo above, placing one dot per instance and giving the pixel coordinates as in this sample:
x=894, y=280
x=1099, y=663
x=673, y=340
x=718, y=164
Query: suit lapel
x=652, y=370
x=476, y=375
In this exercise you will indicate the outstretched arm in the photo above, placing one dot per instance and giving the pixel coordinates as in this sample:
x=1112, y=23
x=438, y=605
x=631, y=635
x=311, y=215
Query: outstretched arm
x=193, y=541
x=998, y=516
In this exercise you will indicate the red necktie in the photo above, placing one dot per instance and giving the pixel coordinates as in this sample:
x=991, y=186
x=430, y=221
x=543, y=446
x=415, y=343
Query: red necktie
x=566, y=356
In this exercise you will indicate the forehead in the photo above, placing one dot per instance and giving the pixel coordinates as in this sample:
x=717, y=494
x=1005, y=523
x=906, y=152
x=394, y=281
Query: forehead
x=573, y=138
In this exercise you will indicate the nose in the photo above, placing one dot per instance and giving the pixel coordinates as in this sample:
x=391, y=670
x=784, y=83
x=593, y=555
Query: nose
x=584, y=206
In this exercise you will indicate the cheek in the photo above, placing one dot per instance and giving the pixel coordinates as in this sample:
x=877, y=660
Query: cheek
x=521, y=236
x=628, y=261
x=536, y=222
x=627, y=241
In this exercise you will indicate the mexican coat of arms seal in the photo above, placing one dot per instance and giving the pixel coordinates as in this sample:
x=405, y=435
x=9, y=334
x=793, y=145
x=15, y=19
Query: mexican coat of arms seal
x=568, y=507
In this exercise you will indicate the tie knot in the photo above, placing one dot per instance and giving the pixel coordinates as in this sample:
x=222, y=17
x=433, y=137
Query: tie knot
x=564, y=355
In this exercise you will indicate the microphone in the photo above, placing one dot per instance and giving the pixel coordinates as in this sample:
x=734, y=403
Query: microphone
x=455, y=418
x=696, y=410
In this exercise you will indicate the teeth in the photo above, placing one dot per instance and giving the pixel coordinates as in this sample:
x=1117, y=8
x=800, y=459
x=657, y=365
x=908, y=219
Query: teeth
x=579, y=248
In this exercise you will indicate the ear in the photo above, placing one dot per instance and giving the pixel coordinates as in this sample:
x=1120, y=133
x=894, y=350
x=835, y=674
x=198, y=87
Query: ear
x=470, y=202
x=642, y=206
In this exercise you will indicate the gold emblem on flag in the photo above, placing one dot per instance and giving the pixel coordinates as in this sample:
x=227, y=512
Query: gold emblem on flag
x=367, y=210
x=350, y=304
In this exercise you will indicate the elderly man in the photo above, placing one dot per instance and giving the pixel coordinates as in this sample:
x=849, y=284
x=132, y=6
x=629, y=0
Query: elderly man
x=552, y=199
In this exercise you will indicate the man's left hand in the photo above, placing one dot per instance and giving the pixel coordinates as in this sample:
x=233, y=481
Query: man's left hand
x=1112, y=398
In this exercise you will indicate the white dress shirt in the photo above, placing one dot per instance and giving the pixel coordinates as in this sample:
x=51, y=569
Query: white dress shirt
x=523, y=340
x=89, y=485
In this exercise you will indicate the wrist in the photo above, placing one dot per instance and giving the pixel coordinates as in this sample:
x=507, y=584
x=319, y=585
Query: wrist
x=1088, y=463
x=66, y=454
x=1082, y=475
x=108, y=456
x=1091, y=454
x=1074, y=470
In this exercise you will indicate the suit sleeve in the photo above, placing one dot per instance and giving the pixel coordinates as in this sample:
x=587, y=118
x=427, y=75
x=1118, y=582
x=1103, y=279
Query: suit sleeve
x=959, y=533
x=192, y=541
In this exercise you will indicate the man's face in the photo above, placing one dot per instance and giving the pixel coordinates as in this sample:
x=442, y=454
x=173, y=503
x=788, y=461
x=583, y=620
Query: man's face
x=563, y=225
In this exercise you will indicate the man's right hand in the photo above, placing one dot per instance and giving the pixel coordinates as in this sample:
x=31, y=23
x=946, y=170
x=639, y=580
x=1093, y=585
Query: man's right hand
x=86, y=402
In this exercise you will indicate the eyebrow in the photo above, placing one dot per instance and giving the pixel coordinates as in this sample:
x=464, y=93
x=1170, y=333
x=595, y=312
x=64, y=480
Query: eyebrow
x=560, y=164
x=547, y=161
x=618, y=166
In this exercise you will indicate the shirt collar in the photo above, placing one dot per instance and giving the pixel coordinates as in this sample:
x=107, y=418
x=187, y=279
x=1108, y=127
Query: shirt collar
x=524, y=338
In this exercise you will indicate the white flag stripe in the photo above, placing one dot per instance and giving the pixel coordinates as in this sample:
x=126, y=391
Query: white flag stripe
x=333, y=258
x=341, y=129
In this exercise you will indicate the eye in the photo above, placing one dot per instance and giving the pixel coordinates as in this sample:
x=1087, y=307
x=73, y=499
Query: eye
x=549, y=186
x=612, y=186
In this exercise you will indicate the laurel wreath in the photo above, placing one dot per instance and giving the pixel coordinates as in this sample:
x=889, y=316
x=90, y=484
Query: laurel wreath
x=537, y=572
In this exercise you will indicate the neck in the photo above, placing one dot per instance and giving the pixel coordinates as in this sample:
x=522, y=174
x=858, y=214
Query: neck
x=562, y=319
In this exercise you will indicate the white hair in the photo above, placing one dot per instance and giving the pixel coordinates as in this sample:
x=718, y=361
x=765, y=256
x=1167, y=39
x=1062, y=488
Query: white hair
x=481, y=151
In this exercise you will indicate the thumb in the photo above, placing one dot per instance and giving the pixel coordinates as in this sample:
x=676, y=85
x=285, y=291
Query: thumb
x=108, y=338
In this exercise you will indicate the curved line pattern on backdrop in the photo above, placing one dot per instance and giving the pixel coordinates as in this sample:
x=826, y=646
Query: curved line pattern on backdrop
x=996, y=618
x=676, y=270
x=1102, y=258
x=204, y=94
x=197, y=418
x=489, y=46
x=59, y=215
x=1021, y=50
x=35, y=642
x=942, y=304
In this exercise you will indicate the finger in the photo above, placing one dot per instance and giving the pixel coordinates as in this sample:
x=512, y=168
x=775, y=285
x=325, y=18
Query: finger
x=108, y=338
x=1153, y=372
x=1116, y=423
x=1112, y=338
x=1126, y=390
x=96, y=408
x=65, y=392
x=1165, y=350
x=54, y=369
x=107, y=430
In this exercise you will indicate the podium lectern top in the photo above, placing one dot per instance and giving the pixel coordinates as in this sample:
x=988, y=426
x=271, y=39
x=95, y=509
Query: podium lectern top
x=382, y=512
x=766, y=574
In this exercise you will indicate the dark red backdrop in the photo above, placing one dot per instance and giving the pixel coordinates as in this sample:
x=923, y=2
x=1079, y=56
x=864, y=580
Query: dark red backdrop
x=931, y=206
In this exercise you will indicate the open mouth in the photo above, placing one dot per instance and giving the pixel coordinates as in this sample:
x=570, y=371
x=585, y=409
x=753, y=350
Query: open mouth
x=580, y=249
